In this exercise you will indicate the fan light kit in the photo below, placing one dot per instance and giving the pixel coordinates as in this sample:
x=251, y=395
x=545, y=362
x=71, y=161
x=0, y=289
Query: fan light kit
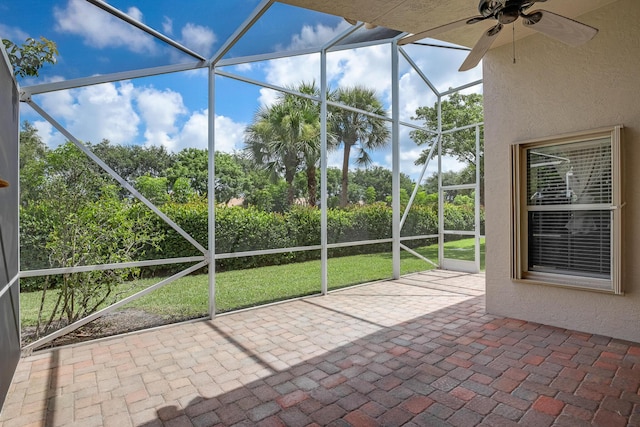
x=505, y=12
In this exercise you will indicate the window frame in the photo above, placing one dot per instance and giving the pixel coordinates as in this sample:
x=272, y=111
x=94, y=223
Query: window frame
x=520, y=221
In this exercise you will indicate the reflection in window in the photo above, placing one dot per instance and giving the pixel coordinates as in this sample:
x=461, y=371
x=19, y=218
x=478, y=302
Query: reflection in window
x=566, y=192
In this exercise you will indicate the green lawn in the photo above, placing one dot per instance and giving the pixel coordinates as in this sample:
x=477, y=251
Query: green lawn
x=188, y=297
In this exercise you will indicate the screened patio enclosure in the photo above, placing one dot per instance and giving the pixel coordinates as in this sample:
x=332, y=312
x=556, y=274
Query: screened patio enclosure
x=142, y=83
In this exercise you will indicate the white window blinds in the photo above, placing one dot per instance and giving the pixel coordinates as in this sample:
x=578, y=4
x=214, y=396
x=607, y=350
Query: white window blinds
x=568, y=203
x=567, y=221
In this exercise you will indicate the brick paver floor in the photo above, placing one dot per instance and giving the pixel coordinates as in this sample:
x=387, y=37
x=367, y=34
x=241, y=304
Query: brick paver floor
x=419, y=351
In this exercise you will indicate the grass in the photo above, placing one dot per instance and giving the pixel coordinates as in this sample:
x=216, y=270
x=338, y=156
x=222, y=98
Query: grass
x=188, y=297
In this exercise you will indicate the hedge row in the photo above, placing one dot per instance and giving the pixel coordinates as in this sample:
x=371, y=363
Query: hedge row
x=241, y=229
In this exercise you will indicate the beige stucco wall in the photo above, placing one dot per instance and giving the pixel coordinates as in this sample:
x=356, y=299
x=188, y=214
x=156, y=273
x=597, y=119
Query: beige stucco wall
x=555, y=89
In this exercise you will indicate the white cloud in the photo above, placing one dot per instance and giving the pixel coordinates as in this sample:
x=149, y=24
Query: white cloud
x=106, y=111
x=167, y=25
x=160, y=111
x=126, y=114
x=314, y=36
x=194, y=132
x=268, y=97
x=334, y=159
x=246, y=67
x=229, y=135
x=414, y=93
x=440, y=66
x=135, y=13
x=95, y=112
x=369, y=66
x=100, y=29
x=199, y=38
x=14, y=34
x=48, y=134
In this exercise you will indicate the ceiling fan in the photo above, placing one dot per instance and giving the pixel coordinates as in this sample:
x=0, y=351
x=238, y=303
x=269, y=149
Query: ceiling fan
x=505, y=12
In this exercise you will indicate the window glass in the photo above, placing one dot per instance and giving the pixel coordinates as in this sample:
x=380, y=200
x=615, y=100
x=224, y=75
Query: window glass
x=568, y=218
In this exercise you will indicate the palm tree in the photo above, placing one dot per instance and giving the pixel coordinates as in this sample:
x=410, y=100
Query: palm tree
x=310, y=140
x=286, y=136
x=351, y=128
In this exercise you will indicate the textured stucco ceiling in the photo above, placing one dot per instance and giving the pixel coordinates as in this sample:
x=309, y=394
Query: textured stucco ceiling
x=415, y=16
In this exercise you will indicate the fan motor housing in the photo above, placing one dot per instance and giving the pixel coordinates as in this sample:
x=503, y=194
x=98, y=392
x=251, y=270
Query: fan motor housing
x=508, y=14
x=505, y=11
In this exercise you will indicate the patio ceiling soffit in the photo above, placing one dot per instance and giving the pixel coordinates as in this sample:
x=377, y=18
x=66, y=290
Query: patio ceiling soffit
x=415, y=16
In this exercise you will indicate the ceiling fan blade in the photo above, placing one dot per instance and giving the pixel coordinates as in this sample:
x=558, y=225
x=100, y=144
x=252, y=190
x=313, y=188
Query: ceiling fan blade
x=433, y=31
x=559, y=27
x=481, y=47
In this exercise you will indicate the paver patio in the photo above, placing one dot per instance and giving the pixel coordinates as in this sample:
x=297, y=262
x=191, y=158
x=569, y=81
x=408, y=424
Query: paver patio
x=415, y=351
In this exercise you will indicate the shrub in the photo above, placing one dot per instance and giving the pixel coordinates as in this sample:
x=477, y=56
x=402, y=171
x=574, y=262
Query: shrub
x=241, y=229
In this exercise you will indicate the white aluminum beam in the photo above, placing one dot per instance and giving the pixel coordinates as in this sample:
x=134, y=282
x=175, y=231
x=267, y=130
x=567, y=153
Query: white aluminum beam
x=423, y=236
x=419, y=72
x=9, y=285
x=134, y=22
x=324, y=222
x=440, y=192
x=226, y=62
x=417, y=255
x=459, y=88
x=27, y=91
x=259, y=252
x=459, y=187
x=454, y=130
x=114, y=266
x=358, y=243
x=416, y=188
x=395, y=159
x=211, y=193
x=241, y=30
x=417, y=127
x=267, y=85
x=477, y=202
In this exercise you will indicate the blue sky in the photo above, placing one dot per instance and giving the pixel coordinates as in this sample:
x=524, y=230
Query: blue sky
x=171, y=110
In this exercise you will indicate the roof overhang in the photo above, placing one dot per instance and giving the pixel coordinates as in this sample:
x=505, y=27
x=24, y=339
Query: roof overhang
x=415, y=16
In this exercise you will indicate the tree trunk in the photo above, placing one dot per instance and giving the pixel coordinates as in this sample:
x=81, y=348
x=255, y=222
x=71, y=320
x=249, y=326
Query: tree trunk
x=344, y=192
x=289, y=176
x=311, y=185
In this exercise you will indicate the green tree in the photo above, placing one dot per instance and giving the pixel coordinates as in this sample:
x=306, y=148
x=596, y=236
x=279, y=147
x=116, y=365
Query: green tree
x=450, y=178
x=106, y=230
x=76, y=219
x=181, y=192
x=370, y=195
x=458, y=111
x=285, y=137
x=153, y=188
x=33, y=153
x=191, y=163
x=230, y=177
x=134, y=161
x=28, y=58
x=355, y=130
x=380, y=179
x=311, y=141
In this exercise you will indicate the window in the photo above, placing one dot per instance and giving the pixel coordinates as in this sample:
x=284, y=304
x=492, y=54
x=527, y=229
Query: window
x=566, y=211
